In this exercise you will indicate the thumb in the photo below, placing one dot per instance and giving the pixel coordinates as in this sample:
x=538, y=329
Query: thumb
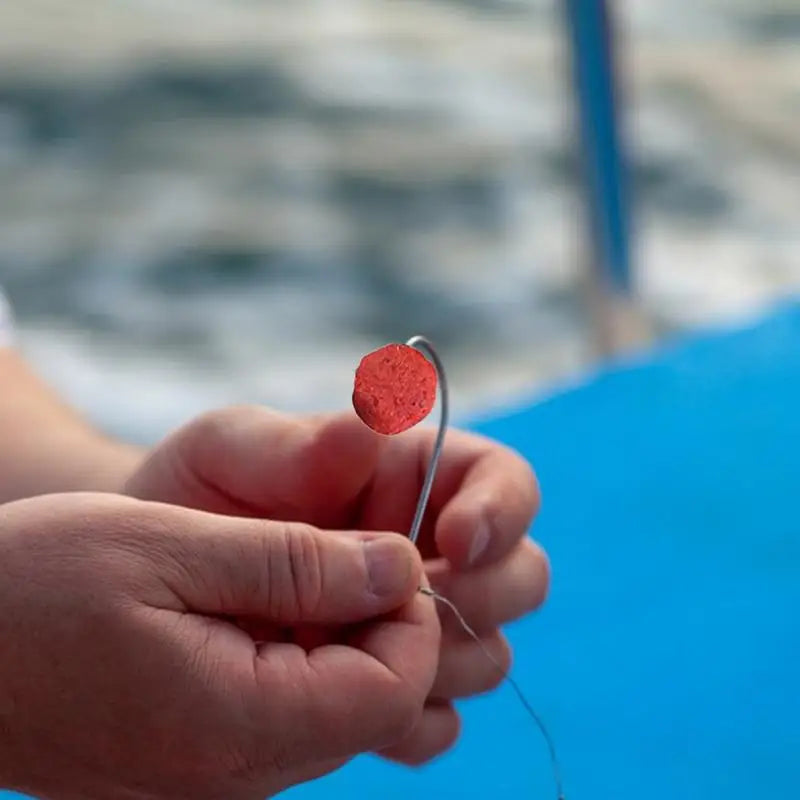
x=288, y=573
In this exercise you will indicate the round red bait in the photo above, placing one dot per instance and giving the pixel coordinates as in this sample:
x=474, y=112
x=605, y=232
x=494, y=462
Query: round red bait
x=395, y=388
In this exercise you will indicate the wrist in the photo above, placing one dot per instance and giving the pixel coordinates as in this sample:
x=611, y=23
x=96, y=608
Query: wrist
x=107, y=465
x=47, y=446
x=72, y=461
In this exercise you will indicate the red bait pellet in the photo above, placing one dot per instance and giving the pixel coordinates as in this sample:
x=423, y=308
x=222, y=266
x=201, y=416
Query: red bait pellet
x=395, y=388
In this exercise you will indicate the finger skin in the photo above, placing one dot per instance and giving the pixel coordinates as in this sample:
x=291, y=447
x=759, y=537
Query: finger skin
x=465, y=669
x=174, y=702
x=437, y=732
x=361, y=696
x=330, y=471
x=255, y=462
x=287, y=573
x=492, y=510
x=495, y=594
x=333, y=472
x=477, y=481
x=334, y=700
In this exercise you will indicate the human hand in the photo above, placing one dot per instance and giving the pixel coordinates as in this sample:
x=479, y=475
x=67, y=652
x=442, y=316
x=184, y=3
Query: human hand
x=121, y=678
x=332, y=471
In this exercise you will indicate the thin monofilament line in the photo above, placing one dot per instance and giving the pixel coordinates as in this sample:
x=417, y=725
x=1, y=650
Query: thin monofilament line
x=506, y=676
x=421, y=343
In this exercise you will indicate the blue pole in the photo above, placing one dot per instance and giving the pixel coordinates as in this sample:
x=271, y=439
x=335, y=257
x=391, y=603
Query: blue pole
x=605, y=176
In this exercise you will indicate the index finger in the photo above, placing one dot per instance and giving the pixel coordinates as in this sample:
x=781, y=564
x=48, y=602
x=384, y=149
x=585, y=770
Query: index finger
x=488, y=510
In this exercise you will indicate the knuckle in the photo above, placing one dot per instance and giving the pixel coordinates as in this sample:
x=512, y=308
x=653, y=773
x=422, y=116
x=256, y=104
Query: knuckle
x=216, y=420
x=204, y=432
x=296, y=570
x=200, y=442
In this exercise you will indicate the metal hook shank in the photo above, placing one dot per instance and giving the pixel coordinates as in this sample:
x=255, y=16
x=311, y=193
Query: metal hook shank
x=422, y=344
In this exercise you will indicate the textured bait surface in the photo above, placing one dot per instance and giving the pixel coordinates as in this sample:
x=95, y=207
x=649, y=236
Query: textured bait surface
x=395, y=388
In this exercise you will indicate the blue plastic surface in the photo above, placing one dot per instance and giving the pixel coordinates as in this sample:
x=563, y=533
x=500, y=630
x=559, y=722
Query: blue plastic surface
x=667, y=657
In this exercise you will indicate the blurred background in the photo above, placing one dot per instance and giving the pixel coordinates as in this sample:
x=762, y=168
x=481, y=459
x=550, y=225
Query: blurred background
x=215, y=201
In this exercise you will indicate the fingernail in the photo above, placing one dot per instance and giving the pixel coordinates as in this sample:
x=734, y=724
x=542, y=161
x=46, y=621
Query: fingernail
x=480, y=541
x=388, y=565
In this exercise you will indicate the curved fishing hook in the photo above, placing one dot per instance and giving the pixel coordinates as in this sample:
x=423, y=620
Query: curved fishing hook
x=421, y=343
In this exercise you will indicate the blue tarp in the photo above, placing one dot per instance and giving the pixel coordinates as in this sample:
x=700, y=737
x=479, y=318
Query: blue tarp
x=666, y=659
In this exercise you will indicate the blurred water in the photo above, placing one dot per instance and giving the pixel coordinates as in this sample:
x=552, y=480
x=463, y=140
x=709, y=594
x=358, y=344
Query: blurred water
x=207, y=202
